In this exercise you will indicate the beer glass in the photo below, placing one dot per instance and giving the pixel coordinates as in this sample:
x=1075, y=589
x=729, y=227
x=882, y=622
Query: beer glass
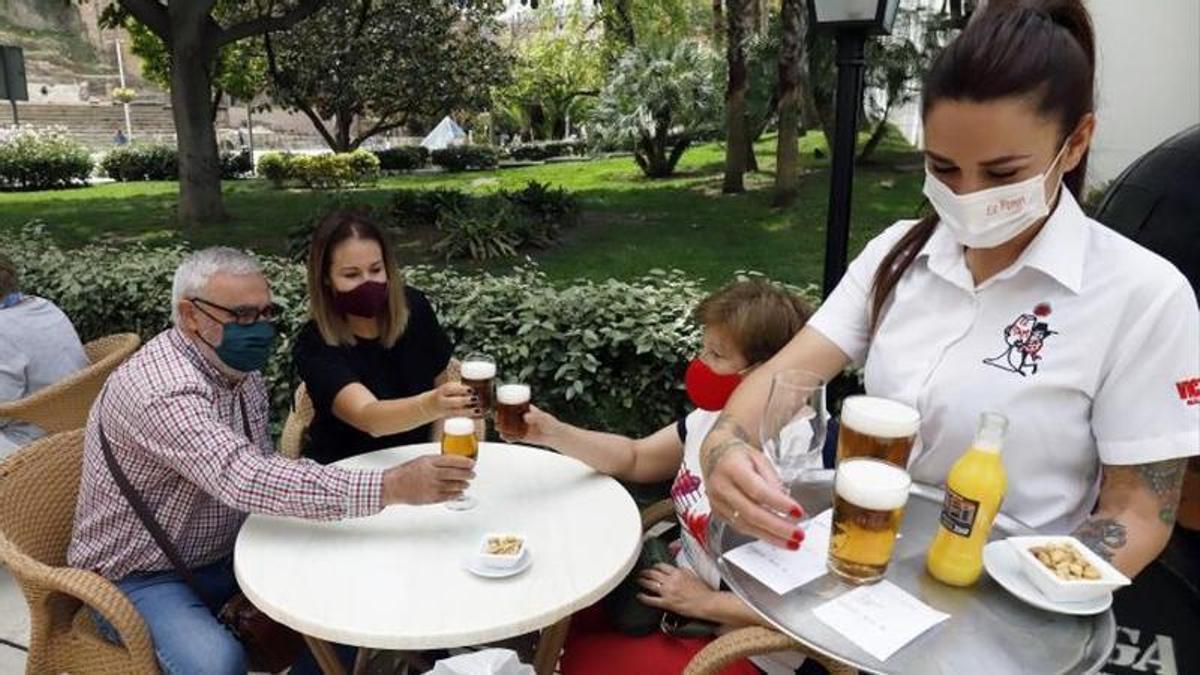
x=793, y=435
x=868, y=505
x=458, y=438
x=879, y=428
x=479, y=373
x=512, y=402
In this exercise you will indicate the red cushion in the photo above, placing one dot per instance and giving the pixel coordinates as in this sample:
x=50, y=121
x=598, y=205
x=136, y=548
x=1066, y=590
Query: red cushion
x=593, y=647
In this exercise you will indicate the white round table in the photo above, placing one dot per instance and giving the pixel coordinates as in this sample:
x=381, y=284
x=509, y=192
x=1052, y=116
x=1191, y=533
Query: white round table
x=397, y=581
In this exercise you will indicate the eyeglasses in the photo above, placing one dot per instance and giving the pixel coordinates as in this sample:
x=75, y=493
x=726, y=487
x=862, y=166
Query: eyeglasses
x=243, y=316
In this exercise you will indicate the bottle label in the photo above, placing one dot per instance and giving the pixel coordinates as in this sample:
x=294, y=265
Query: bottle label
x=958, y=513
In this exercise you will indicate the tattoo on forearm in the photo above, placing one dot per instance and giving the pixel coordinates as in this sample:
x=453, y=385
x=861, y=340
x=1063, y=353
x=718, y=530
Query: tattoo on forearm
x=1103, y=535
x=1165, y=480
x=711, y=455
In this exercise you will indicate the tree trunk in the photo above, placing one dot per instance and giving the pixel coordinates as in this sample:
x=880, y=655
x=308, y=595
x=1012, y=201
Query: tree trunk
x=736, y=131
x=343, y=121
x=192, y=52
x=718, y=24
x=791, y=62
x=876, y=136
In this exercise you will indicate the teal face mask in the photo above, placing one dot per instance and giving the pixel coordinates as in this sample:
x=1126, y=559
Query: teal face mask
x=244, y=347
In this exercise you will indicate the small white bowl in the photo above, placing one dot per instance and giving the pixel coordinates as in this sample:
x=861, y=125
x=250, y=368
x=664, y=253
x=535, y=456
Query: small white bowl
x=1059, y=590
x=501, y=561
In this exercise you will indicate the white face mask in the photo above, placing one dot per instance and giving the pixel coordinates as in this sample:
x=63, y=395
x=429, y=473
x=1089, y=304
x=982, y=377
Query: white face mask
x=988, y=218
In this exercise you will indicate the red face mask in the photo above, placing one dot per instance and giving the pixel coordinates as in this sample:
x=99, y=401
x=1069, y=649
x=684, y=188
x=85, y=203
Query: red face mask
x=708, y=389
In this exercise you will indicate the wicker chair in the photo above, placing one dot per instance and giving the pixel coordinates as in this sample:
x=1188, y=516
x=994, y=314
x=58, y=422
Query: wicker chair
x=298, y=419
x=64, y=405
x=38, y=488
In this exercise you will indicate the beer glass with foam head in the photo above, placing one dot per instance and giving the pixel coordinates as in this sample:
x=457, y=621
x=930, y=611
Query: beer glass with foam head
x=458, y=438
x=877, y=427
x=868, y=506
x=512, y=402
x=479, y=373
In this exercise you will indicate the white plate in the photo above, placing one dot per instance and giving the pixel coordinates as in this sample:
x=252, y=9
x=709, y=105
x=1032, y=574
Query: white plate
x=1000, y=561
x=475, y=566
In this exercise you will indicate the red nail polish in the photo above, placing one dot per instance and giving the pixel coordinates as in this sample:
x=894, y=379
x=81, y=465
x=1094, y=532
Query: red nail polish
x=793, y=545
x=798, y=536
x=796, y=512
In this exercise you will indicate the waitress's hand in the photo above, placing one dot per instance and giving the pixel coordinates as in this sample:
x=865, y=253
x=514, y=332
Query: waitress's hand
x=541, y=428
x=745, y=492
x=452, y=399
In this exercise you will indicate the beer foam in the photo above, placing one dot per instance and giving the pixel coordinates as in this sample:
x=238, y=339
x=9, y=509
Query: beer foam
x=880, y=417
x=478, y=370
x=512, y=394
x=872, y=484
x=459, y=426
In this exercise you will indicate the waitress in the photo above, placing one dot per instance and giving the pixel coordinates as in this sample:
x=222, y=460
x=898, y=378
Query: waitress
x=1007, y=298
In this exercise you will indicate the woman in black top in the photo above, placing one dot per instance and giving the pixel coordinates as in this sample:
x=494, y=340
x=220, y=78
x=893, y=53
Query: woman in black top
x=376, y=362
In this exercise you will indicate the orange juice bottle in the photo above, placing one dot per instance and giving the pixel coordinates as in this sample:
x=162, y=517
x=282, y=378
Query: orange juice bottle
x=974, y=489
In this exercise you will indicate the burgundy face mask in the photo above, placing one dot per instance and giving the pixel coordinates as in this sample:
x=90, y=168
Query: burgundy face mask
x=366, y=300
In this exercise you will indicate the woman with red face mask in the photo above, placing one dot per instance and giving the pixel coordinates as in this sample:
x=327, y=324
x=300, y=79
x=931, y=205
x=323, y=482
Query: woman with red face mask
x=743, y=325
x=377, y=364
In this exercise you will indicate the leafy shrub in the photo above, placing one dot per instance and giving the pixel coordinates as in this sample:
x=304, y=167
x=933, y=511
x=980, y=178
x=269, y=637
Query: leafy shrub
x=275, y=167
x=466, y=157
x=607, y=355
x=403, y=158
x=479, y=234
x=545, y=205
x=532, y=215
x=40, y=159
x=533, y=152
x=299, y=237
x=327, y=171
x=235, y=164
x=364, y=166
x=141, y=162
x=424, y=208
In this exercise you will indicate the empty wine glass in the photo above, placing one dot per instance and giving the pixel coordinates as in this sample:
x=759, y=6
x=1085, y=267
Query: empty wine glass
x=793, y=436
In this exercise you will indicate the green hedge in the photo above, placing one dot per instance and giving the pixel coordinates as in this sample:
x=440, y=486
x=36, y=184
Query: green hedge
x=608, y=355
x=328, y=171
x=402, y=158
x=137, y=162
x=41, y=159
x=467, y=157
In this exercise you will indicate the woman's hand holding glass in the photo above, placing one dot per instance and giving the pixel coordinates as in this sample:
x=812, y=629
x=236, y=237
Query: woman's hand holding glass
x=452, y=399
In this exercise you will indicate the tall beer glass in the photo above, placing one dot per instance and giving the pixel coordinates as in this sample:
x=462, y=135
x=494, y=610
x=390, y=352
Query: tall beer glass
x=479, y=373
x=868, y=506
x=458, y=438
x=879, y=428
x=512, y=402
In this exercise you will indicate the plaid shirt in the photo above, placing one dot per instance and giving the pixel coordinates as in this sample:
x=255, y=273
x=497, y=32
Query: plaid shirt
x=176, y=429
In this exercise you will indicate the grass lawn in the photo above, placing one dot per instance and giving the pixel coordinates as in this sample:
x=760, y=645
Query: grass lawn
x=631, y=224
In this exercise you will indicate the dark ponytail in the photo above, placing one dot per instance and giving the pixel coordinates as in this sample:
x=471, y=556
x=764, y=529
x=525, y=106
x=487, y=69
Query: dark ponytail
x=1042, y=49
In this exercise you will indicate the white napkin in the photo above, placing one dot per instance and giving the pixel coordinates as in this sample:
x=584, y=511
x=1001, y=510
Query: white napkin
x=782, y=570
x=880, y=618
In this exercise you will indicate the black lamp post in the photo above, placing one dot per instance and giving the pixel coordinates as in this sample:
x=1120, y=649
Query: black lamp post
x=853, y=21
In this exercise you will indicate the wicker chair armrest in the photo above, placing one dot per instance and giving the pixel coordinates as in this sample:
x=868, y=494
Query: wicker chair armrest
x=103, y=596
x=656, y=513
x=753, y=641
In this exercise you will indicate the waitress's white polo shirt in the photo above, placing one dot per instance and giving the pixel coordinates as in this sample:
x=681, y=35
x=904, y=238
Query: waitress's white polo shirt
x=1088, y=343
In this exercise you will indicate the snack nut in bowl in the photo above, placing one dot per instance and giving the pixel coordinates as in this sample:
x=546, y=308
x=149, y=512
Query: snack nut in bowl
x=501, y=550
x=1065, y=570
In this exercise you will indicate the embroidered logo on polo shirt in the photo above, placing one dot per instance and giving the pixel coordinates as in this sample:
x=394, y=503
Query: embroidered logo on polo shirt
x=1024, y=339
x=1189, y=391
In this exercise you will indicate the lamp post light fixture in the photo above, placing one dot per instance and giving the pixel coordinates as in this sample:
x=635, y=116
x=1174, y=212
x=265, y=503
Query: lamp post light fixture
x=852, y=21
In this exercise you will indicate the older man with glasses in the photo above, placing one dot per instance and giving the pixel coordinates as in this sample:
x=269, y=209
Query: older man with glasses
x=179, y=442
